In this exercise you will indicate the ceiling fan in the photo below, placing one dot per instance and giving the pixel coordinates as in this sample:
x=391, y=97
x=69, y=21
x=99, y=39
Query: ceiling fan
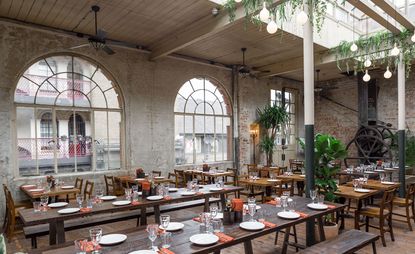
x=244, y=70
x=97, y=41
x=319, y=88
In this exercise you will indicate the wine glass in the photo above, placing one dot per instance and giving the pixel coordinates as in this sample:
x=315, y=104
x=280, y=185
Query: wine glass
x=213, y=210
x=382, y=177
x=95, y=234
x=79, y=200
x=284, y=203
x=99, y=195
x=313, y=195
x=251, y=211
x=355, y=183
x=165, y=220
x=152, y=233
x=44, y=200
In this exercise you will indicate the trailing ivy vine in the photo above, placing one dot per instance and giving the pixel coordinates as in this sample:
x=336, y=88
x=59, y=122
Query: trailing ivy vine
x=377, y=48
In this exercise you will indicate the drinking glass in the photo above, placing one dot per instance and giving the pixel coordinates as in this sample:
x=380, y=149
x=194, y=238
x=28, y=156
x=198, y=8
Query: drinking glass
x=79, y=200
x=44, y=200
x=80, y=246
x=95, y=234
x=291, y=205
x=382, y=177
x=284, y=201
x=89, y=203
x=152, y=233
x=365, y=177
x=355, y=183
x=217, y=225
x=213, y=210
x=166, y=240
x=165, y=221
x=127, y=192
x=313, y=195
x=251, y=211
x=206, y=220
x=251, y=200
x=36, y=206
x=321, y=199
x=277, y=201
x=134, y=188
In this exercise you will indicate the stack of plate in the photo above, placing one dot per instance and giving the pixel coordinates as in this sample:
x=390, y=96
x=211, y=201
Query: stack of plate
x=362, y=190
x=67, y=187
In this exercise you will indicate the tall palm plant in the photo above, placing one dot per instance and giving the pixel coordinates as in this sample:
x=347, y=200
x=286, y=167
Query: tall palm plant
x=272, y=118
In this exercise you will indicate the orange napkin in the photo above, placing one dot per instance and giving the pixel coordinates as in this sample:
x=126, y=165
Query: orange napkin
x=86, y=210
x=145, y=185
x=167, y=198
x=302, y=215
x=28, y=187
x=135, y=203
x=272, y=202
x=89, y=247
x=196, y=219
x=224, y=238
x=331, y=206
x=165, y=251
x=237, y=204
x=199, y=193
x=269, y=224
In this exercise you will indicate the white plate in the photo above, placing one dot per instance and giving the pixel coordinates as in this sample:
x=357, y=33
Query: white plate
x=252, y=225
x=139, y=179
x=246, y=207
x=112, y=239
x=159, y=177
x=317, y=206
x=362, y=190
x=68, y=210
x=36, y=190
x=143, y=252
x=387, y=183
x=173, y=189
x=273, y=180
x=28, y=186
x=67, y=187
x=121, y=202
x=58, y=204
x=106, y=198
x=288, y=215
x=302, y=175
x=204, y=239
x=188, y=193
x=379, y=170
x=155, y=197
x=173, y=226
x=215, y=189
x=368, y=172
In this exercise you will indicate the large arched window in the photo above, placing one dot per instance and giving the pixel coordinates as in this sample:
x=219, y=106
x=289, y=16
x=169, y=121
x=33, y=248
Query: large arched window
x=68, y=118
x=202, y=123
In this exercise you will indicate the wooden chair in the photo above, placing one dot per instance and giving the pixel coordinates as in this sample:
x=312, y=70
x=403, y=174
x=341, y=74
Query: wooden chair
x=199, y=176
x=383, y=212
x=284, y=186
x=12, y=214
x=89, y=188
x=252, y=168
x=250, y=192
x=407, y=202
x=180, y=178
x=111, y=188
x=173, y=177
x=156, y=172
x=276, y=171
x=264, y=172
x=234, y=178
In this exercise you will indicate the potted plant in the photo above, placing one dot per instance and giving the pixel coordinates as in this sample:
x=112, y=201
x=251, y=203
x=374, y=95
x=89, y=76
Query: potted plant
x=272, y=118
x=327, y=151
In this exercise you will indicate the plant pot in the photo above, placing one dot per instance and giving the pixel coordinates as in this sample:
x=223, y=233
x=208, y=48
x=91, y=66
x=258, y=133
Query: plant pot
x=330, y=231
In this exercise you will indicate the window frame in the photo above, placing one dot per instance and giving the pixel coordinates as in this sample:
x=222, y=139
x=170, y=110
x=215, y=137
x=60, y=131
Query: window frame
x=292, y=113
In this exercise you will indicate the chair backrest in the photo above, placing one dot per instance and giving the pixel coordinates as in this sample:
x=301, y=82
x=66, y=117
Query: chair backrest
x=280, y=187
x=10, y=208
x=234, y=179
x=109, y=185
x=199, y=176
x=156, y=172
x=264, y=172
x=252, y=168
x=78, y=183
x=410, y=192
x=89, y=188
x=276, y=171
x=387, y=200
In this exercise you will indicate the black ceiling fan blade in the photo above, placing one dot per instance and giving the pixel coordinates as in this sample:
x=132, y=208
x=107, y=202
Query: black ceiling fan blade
x=108, y=50
x=80, y=46
x=101, y=34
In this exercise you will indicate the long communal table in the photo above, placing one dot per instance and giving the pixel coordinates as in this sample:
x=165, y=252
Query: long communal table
x=53, y=192
x=377, y=185
x=138, y=237
x=56, y=221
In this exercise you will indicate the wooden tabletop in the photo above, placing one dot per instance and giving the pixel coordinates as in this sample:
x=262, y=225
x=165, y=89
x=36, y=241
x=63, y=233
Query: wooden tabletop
x=138, y=238
x=377, y=185
x=132, y=179
x=295, y=177
x=210, y=173
x=29, y=217
x=349, y=192
x=259, y=182
x=55, y=191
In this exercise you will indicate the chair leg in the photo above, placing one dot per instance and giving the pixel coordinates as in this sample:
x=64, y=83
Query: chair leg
x=382, y=230
x=374, y=247
x=348, y=205
x=367, y=223
x=391, y=228
x=34, y=242
x=276, y=238
x=10, y=230
x=408, y=218
x=295, y=238
x=413, y=211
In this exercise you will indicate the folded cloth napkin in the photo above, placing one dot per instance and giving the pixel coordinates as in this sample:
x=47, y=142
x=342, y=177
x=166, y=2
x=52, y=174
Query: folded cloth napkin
x=89, y=247
x=165, y=251
x=224, y=238
x=135, y=203
x=197, y=219
x=269, y=224
x=331, y=206
x=167, y=198
x=302, y=215
x=28, y=187
x=86, y=210
x=199, y=193
x=272, y=202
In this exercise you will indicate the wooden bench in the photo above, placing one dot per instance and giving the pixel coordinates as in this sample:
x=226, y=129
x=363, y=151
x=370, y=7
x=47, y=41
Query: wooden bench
x=33, y=232
x=347, y=242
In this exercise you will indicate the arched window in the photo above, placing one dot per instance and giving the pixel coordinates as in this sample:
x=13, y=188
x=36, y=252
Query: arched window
x=85, y=106
x=202, y=123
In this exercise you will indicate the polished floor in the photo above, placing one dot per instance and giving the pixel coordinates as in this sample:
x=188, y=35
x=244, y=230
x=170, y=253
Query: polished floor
x=404, y=243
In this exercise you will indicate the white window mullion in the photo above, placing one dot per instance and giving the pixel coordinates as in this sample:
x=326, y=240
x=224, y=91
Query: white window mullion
x=55, y=140
x=92, y=117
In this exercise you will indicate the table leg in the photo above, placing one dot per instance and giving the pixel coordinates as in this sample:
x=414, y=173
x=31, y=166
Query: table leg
x=157, y=214
x=268, y=191
x=52, y=232
x=222, y=201
x=248, y=247
x=286, y=239
x=206, y=206
x=216, y=252
x=143, y=217
x=56, y=232
x=357, y=214
x=321, y=229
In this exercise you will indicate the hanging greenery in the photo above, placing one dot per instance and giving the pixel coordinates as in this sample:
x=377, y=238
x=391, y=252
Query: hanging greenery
x=283, y=11
x=377, y=48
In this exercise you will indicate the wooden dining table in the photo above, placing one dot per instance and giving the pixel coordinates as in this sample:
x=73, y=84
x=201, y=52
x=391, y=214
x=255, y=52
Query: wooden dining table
x=134, y=180
x=350, y=193
x=377, y=185
x=56, y=220
x=266, y=183
x=137, y=238
x=53, y=192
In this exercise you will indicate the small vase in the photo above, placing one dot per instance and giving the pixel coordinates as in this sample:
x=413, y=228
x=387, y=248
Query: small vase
x=228, y=218
x=238, y=216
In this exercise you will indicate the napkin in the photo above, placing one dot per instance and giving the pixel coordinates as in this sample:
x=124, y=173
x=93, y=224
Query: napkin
x=199, y=193
x=302, y=215
x=89, y=247
x=135, y=203
x=28, y=187
x=165, y=251
x=331, y=206
x=272, y=202
x=86, y=210
x=269, y=224
x=197, y=219
x=224, y=238
x=167, y=198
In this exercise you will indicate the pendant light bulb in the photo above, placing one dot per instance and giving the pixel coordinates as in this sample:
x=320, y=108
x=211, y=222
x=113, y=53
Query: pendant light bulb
x=366, y=77
x=388, y=73
x=395, y=51
x=413, y=37
x=264, y=14
x=238, y=1
x=354, y=47
x=302, y=18
x=272, y=27
x=367, y=63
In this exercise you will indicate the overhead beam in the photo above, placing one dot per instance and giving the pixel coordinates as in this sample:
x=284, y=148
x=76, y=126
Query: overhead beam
x=198, y=31
x=395, y=13
x=365, y=7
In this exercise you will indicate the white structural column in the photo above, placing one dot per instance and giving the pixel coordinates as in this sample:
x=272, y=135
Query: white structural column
x=308, y=51
x=401, y=124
